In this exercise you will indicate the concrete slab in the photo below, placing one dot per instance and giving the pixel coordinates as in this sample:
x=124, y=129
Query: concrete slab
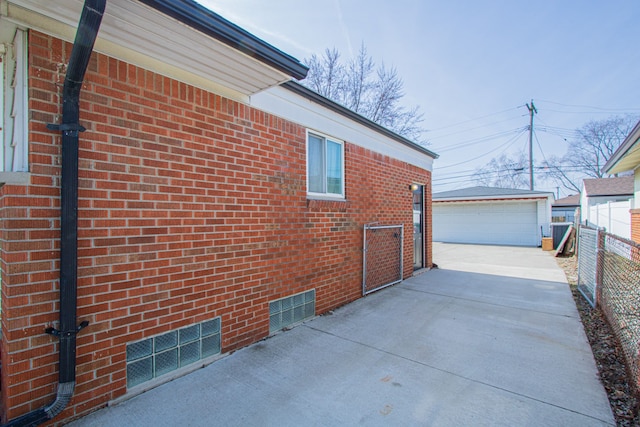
x=491, y=338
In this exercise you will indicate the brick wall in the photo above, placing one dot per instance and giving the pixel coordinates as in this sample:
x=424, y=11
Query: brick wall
x=635, y=225
x=191, y=206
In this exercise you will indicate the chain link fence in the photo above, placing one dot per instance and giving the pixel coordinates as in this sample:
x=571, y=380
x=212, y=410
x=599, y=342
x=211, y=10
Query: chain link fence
x=382, y=261
x=616, y=290
x=587, y=262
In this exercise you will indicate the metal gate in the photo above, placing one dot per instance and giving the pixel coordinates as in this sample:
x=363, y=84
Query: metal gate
x=587, y=263
x=382, y=259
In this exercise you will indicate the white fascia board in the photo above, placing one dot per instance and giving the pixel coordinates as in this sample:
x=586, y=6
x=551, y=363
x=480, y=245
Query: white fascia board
x=636, y=189
x=290, y=106
x=627, y=156
x=507, y=198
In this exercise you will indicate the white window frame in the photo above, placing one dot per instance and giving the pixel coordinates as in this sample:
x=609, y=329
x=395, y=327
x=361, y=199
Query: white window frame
x=326, y=195
x=14, y=132
x=3, y=52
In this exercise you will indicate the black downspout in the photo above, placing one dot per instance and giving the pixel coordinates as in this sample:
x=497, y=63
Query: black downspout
x=82, y=47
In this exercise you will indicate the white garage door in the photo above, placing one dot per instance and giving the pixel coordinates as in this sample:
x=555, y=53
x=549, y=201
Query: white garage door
x=497, y=223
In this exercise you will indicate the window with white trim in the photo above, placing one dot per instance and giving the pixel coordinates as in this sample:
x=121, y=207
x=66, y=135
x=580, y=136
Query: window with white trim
x=325, y=166
x=13, y=92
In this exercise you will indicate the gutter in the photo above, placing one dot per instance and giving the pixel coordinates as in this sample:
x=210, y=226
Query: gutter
x=82, y=47
x=204, y=20
x=500, y=199
x=343, y=111
x=622, y=150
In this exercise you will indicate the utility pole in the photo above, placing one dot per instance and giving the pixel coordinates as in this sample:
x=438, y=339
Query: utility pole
x=532, y=111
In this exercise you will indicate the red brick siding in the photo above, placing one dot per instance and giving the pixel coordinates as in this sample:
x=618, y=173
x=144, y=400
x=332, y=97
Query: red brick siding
x=191, y=206
x=635, y=225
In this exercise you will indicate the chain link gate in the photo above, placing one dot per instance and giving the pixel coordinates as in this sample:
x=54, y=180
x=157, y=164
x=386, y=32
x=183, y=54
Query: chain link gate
x=587, y=262
x=382, y=258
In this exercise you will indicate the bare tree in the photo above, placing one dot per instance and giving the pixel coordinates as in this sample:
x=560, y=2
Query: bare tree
x=358, y=81
x=326, y=74
x=504, y=172
x=588, y=151
x=562, y=175
x=374, y=92
x=597, y=141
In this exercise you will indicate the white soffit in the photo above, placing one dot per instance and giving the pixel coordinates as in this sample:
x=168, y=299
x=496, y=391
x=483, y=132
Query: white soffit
x=141, y=35
x=630, y=160
x=284, y=103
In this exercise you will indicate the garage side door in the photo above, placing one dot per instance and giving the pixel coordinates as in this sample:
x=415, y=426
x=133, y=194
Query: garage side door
x=497, y=223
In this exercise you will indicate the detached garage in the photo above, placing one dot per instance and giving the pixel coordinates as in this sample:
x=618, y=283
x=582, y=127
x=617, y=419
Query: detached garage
x=495, y=216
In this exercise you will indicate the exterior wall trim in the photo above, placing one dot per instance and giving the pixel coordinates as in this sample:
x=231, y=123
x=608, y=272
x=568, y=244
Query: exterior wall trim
x=337, y=108
x=283, y=102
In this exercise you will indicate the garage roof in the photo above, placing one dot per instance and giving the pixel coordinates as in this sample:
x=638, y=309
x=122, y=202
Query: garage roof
x=573, y=200
x=488, y=193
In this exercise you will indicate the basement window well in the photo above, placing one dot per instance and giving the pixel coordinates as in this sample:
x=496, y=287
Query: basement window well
x=156, y=356
x=289, y=310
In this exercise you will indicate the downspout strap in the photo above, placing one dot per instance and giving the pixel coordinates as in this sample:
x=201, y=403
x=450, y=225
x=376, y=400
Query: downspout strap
x=57, y=333
x=66, y=127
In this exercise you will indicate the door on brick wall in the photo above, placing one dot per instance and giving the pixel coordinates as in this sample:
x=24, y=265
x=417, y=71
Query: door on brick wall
x=418, y=226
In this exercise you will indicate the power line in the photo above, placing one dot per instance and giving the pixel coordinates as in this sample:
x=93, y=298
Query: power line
x=505, y=145
x=609, y=110
x=480, y=173
x=469, y=172
x=629, y=112
x=514, y=167
x=540, y=147
x=472, y=178
x=479, y=140
x=472, y=129
x=564, y=134
x=473, y=120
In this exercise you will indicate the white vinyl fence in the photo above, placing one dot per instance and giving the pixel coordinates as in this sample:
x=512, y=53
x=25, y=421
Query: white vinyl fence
x=613, y=216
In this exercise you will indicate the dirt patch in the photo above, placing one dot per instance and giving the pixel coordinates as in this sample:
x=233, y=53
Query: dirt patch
x=606, y=351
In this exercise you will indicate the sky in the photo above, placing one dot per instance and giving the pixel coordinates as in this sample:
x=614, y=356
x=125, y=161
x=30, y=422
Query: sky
x=473, y=65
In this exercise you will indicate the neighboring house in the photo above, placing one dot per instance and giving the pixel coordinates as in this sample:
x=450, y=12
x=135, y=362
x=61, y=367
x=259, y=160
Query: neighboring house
x=487, y=215
x=563, y=214
x=605, y=202
x=627, y=158
x=218, y=201
x=564, y=209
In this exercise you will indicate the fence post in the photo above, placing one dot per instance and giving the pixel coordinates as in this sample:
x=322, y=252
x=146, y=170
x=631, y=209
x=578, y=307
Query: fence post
x=600, y=238
x=636, y=380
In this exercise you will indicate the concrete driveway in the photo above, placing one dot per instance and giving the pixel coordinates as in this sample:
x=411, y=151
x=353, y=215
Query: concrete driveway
x=491, y=338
